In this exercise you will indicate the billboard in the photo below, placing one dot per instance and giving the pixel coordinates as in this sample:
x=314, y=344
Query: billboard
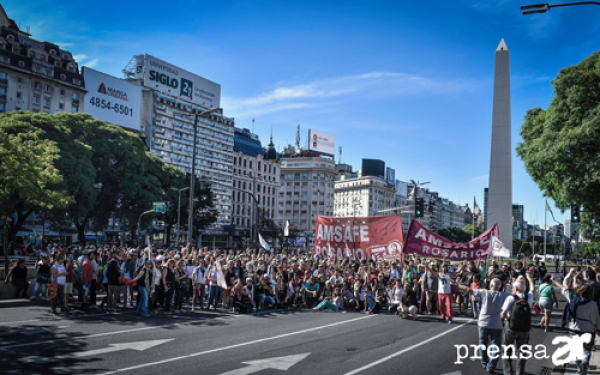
x=321, y=142
x=378, y=237
x=171, y=80
x=373, y=167
x=111, y=99
x=390, y=176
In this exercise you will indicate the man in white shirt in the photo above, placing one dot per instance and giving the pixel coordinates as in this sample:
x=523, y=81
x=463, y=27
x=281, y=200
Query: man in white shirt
x=444, y=291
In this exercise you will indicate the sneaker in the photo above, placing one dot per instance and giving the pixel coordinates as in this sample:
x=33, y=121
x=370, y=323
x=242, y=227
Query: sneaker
x=193, y=308
x=449, y=321
x=32, y=298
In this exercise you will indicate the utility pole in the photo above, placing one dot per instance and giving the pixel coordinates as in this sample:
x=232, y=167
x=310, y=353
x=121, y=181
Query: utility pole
x=179, y=213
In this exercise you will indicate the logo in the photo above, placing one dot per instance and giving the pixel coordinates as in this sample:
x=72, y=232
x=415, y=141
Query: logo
x=187, y=87
x=103, y=89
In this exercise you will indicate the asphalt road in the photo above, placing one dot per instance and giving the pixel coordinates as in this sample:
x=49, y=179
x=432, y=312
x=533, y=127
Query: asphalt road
x=282, y=342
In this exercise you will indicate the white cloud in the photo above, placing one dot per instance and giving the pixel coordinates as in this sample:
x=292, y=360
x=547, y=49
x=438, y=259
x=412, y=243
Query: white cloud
x=358, y=88
x=79, y=58
x=91, y=63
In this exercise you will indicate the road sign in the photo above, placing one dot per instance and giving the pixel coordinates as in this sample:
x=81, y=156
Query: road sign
x=309, y=234
x=278, y=363
x=160, y=207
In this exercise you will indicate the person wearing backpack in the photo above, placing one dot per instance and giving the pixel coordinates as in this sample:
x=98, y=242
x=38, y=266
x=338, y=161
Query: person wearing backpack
x=590, y=279
x=516, y=312
x=583, y=317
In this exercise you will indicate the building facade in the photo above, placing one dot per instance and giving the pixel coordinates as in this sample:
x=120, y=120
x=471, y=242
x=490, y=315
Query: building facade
x=307, y=190
x=167, y=119
x=36, y=76
x=363, y=196
x=256, y=173
x=518, y=223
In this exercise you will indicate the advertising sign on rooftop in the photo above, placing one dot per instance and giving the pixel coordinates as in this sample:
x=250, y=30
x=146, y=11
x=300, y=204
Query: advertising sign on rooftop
x=111, y=99
x=171, y=80
x=321, y=142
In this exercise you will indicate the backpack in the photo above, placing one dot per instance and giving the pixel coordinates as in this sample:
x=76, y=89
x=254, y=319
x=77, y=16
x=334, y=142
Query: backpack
x=520, y=315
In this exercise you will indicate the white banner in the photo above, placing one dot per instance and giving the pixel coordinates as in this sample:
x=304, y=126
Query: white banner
x=172, y=80
x=111, y=99
x=498, y=249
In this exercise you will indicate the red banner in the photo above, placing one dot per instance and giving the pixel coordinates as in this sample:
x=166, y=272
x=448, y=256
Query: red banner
x=421, y=241
x=361, y=237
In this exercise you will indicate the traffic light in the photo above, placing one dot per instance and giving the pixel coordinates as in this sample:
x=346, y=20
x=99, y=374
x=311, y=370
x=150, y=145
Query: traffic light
x=575, y=214
x=419, y=207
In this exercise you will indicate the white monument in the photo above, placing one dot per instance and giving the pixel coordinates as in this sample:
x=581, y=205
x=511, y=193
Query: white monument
x=500, y=186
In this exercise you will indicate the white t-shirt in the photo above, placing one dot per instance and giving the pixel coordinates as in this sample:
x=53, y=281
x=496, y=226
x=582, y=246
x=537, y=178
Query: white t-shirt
x=199, y=272
x=397, y=294
x=333, y=281
x=444, y=284
x=61, y=280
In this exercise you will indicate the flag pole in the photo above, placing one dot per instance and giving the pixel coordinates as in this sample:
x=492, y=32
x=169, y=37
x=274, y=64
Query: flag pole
x=545, y=228
x=473, y=228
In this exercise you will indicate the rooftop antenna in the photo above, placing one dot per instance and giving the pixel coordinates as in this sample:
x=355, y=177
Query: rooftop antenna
x=340, y=157
x=252, y=126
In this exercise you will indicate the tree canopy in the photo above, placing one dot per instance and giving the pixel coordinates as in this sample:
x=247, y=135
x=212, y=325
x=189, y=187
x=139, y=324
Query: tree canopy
x=100, y=171
x=561, y=145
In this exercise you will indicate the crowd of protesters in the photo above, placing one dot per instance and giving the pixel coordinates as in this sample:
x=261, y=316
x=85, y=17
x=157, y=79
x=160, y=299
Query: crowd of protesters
x=157, y=281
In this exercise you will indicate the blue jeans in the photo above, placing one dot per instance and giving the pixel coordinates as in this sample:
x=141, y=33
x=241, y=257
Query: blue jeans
x=143, y=305
x=214, y=295
x=270, y=300
x=44, y=287
x=124, y=289
x=492, y=337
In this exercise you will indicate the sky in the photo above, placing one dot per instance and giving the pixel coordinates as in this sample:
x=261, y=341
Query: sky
x=410, y=83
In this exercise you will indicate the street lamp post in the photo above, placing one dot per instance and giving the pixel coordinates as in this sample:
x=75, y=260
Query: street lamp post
x=179, y=213
x=544, y=7
x=204, y=114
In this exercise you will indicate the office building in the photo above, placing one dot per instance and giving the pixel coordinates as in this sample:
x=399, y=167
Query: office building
x=307, y=189
x=363, y=196
x=256, y=173
x=171, y=99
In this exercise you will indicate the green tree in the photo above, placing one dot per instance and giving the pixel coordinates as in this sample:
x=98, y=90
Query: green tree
x=561, y=147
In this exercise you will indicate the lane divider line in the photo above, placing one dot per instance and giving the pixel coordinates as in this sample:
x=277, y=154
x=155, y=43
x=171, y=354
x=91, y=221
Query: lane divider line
x=384, y=359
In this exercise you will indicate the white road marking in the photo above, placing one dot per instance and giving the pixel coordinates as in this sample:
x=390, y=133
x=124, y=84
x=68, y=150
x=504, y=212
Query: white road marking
x=384, y=359
x=277, y=363
x=139, y=346
x=235, y=346
x=86, y=336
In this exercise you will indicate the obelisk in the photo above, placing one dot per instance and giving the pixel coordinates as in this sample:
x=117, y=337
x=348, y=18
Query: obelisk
x=500, y=183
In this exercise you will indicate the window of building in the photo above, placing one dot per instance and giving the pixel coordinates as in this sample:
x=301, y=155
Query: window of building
x=47, y=88
x=61, y=106
x=76, y=81
x=296, y=176
x=37, y=86
x=19, y=94
x=290, y=176
x=36, y=99
x=2, y=107
x=20, y=79
x=74, y=110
